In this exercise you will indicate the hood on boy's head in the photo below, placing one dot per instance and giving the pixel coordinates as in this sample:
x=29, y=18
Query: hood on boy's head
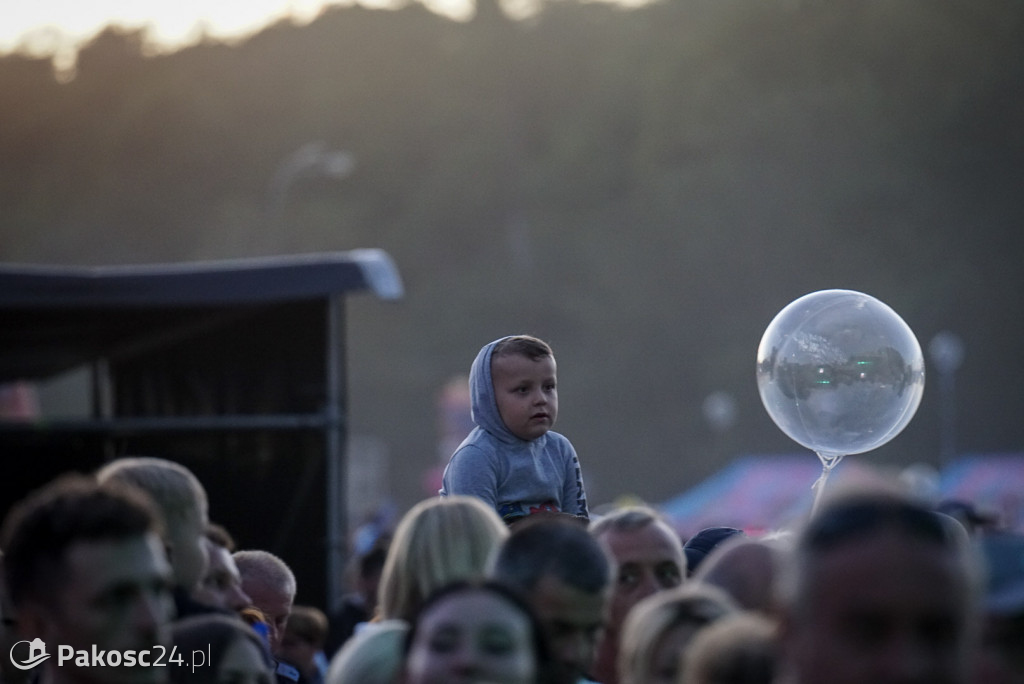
x=483, y=405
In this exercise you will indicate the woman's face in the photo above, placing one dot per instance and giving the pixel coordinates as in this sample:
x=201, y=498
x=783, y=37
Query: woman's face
x=666, y=657
x=472, y=636
x=243, y=664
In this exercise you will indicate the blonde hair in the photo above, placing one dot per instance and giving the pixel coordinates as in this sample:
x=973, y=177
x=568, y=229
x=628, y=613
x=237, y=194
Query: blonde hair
x=738, y=649
x=373, y=655
x=177, y=492
x=652, y=618
x=437, y=542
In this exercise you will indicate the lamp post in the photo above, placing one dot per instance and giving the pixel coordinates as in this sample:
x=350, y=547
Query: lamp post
x=310, y=160
x=946, y=350
x=313, y=160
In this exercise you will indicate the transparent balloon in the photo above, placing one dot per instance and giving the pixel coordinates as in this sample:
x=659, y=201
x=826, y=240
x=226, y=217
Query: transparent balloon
x=840, y=373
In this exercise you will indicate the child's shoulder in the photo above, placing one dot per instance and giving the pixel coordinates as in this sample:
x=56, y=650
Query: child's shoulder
x=479, y=442
x=557, y=438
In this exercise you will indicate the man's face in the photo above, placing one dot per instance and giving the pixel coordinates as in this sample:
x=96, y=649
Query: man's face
x=573, y=620
x=275, y=604
x=526, y=393
x=115, y=595
x=647, y=560
x=881, y=610
x=221, y=586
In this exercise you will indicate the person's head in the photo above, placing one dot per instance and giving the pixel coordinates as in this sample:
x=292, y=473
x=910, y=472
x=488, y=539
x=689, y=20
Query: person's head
x=746, y=569
x=474, y=632
x=565, y=576
x=304, y=636
x=647, y=558
x=700, y=545
x=181, y=501
x=236, y=654
x=877, y=590
x=438, y=541
x=86, y=569
x=270, y=583
x=646, y=554
x=369, y=570
x=514, y=388
x=221, y=586
x=659, y=627
x=372, y=655
x=739, y=648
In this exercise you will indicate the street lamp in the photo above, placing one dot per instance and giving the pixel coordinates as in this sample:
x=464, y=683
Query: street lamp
x=946, y=350
x=310, y=160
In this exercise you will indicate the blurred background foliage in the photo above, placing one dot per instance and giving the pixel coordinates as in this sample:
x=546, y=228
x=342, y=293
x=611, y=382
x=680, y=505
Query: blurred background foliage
x=645, y=188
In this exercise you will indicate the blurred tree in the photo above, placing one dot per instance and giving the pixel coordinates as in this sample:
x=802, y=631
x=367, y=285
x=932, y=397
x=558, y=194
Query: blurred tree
x=644, y=187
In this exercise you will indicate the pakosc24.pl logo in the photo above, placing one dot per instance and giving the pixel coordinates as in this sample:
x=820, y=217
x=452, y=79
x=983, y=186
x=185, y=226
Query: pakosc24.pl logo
x=158, y=656
x=36, y=654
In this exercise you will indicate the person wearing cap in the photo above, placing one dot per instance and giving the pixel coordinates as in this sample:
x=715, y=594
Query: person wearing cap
x=701, y=544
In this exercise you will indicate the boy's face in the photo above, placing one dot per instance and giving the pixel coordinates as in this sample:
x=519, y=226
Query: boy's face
x=526, y=394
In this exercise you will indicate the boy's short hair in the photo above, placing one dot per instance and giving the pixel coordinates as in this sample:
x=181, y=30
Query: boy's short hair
x=531, y=347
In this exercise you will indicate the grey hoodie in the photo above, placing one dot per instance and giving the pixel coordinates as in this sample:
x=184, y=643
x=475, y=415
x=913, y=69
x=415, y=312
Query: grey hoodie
x=515, y=476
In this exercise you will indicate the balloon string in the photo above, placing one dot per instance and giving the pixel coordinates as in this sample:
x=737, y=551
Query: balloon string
x=828, y=462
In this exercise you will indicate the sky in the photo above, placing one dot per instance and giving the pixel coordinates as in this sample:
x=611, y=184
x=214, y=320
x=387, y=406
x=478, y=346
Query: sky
x=52, y=27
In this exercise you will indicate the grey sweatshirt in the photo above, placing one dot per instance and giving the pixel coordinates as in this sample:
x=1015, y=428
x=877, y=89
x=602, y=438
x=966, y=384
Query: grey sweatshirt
x=515, y=476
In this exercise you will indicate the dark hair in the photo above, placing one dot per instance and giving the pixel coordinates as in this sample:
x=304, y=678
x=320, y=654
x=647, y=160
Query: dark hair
x=552, y=546
x=852, y=517
x=502, y=591
x=700, y=545
x=371, y=563
x=861, y=516
x=307, y=623
x=44, y=525
x=214, y=632
x=531, y=347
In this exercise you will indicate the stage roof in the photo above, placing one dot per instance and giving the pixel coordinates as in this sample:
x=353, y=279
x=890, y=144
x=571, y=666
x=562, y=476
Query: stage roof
x=54, y=318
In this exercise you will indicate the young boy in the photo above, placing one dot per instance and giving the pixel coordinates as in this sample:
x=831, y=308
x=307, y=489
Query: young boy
x=512, y=460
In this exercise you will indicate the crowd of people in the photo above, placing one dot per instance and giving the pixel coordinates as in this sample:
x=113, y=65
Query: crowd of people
x=119, y=576
x=506, y=577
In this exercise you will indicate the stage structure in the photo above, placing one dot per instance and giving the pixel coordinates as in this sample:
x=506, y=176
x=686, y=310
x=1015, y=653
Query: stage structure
x=236, y=369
